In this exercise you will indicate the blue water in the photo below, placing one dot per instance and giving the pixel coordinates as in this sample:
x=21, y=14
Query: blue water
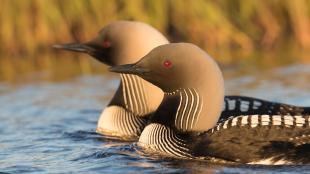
x=49, y=127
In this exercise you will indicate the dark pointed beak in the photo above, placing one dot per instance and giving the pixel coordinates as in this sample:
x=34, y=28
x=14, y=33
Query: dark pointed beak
x=77, y=47
x=129, y=69
x=91, y=48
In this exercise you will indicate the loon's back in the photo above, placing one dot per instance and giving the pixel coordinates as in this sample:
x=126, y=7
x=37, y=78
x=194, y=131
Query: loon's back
x=259, y=139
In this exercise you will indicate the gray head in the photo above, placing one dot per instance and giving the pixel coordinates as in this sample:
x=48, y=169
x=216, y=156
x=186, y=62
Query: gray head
x=173, y=67
x=120, y=42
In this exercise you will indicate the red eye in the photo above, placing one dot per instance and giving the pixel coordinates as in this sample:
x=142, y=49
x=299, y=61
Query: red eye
x=167, y=64
x=106, y=44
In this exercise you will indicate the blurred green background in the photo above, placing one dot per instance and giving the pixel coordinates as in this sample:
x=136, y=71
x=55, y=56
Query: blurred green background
x=260, y=33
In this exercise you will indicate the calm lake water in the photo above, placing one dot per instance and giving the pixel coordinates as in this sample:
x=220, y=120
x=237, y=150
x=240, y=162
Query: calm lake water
x=49, y=127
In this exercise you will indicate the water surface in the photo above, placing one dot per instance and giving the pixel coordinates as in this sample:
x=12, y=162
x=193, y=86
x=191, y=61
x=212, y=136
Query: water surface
x=49, y=127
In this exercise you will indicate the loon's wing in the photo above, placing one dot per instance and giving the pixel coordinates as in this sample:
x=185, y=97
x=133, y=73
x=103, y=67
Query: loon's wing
x=242, y=105
x=259, y=139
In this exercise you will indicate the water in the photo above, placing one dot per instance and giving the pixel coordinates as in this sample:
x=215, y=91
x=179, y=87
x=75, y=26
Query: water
x=49, y=127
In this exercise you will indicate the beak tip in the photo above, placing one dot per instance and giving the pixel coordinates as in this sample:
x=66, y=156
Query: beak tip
x=118, y=69
x=121, y=68
x=57, y=46
x=111, y=69
x=77, y=47
x=128, y=69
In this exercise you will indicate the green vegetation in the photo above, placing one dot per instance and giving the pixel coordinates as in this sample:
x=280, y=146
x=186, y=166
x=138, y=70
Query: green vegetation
x=228, y=30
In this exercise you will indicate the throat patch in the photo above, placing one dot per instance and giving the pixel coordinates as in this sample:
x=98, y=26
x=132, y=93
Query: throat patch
x=134, y=95
x=188, y=110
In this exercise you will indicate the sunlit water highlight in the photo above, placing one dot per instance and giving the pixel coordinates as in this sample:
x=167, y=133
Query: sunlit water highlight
x=49, y=127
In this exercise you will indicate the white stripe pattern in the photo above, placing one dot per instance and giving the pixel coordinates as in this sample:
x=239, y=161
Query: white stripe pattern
x=254, y=120
x=117, y=121
x=234, y=122
x=231, y=104
x=244, y=120
x=160, y=138
x=242, y=105
x=276, y=120
x=264, y=120
x=188, y=110
x=256, y=104
x=134, y=94
x=288, y=120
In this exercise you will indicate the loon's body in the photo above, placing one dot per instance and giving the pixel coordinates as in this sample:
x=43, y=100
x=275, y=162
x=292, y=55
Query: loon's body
x=185, y=124
x=253, y=139
x=135, y=99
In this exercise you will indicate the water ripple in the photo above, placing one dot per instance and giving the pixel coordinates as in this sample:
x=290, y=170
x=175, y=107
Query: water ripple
x=49, y=127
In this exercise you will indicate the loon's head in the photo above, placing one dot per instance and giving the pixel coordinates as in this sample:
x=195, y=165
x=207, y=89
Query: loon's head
x=180, y=66
x=119, y=42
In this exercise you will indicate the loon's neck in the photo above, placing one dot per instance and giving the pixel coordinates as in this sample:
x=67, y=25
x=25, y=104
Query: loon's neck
x=140, y=97
x=187, y=110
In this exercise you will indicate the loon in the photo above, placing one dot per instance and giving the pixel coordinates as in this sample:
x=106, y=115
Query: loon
x=185, y=124
x=122, y=42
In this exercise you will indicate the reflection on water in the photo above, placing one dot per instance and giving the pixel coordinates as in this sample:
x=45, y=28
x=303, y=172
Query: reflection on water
x=48, y=67
x=49, y=126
